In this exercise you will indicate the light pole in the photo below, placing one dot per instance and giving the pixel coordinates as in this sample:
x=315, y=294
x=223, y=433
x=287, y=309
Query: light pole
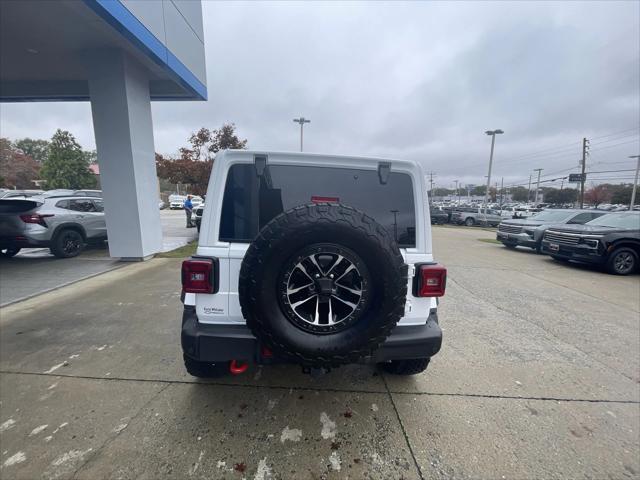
x=635, y=182
x=493, y=134
x=456, y=194
x=537, y=184
x=301, y=121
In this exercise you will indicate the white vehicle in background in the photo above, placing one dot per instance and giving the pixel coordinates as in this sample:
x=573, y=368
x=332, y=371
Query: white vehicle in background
x=517, y=212
x=197, y=200
x=176, y=202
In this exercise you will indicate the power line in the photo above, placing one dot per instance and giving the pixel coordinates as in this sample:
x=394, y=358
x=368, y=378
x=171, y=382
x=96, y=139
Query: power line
x=565, y=147
x=617, y=138
x=554, y=149
x=560, y=150
x=613, y=171
x=616, y=145
x=616, y=133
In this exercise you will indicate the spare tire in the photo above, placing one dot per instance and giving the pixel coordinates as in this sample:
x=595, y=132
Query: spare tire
x=323, y=285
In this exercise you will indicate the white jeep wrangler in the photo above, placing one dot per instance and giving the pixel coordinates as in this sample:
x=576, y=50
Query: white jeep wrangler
x=318, y=260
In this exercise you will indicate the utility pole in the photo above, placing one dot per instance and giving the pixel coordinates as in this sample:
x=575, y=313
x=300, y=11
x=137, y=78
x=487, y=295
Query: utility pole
x=501, y=190
x=430, y=186
x=635, y=182
x=492, y=134
x=457, y=194
x=585, y=146
x=301, y=121
x=529, y=191
x=538, y=184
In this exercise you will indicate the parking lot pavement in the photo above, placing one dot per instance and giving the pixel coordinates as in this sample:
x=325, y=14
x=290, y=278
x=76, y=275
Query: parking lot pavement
x=174, y=231
x=36, y=270
x=538, y=378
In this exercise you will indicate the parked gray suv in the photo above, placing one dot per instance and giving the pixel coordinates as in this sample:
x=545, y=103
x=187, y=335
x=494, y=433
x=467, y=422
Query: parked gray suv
x=528, y=232
x=62, y=223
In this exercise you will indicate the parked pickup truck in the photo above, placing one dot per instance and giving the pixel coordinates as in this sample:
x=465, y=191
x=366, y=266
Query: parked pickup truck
x=476, y=216
x=612, y=241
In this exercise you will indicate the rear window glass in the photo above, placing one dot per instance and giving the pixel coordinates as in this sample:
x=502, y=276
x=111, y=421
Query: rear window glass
x=250, y=201
x=16, y=206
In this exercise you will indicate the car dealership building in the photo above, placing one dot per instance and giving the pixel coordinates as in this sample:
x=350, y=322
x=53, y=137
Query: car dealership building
x=119, y=55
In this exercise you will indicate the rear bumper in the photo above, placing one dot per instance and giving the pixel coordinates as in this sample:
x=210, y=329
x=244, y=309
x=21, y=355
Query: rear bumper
x=578, y=253
x=22, y=242
x=222, y=343
x=521, y=239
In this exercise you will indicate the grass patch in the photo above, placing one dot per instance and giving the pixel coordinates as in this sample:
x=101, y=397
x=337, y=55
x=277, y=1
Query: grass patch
x=490, y=240
x=181, y=252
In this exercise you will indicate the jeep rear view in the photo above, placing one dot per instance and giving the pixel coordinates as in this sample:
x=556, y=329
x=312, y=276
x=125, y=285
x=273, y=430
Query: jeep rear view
x=315, y=260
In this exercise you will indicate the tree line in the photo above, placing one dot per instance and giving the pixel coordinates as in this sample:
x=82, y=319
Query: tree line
x=62, y=163
x=58, y=163
x=593, y=195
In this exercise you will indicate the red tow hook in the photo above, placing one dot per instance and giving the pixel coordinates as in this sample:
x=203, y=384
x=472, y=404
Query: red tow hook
x=236, y=367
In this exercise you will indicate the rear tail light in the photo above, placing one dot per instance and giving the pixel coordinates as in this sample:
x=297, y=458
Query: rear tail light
x=430, y=281
x=35, y=218
x=199, y=275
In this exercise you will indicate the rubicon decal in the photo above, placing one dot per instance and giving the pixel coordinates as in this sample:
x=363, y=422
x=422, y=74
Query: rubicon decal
x=213, y=311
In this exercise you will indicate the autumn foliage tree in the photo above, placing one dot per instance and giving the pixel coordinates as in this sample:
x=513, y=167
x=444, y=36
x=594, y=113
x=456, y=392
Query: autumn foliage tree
x=17, y=170
x=597, y=194
x=193, y=168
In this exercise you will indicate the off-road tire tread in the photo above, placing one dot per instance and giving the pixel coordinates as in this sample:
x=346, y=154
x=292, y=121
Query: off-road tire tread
x=286, y=224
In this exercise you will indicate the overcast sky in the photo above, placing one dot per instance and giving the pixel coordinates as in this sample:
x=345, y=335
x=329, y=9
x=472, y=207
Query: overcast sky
x=416, y=80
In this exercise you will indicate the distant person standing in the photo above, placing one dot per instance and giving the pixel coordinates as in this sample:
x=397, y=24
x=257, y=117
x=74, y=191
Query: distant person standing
x=188, y=209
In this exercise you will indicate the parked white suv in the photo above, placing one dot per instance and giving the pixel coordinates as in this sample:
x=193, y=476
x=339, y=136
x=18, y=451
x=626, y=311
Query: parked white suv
x=312, y=259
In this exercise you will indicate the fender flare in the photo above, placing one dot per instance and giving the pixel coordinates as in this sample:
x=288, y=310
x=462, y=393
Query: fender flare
x=71, y=226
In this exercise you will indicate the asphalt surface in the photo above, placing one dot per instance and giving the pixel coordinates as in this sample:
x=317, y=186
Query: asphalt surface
x=538, y=378
x=36, y=270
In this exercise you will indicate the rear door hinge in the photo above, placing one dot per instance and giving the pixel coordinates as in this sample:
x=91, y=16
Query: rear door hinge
x=411, y=271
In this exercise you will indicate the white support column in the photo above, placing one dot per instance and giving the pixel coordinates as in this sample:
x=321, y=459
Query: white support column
x=121, y=109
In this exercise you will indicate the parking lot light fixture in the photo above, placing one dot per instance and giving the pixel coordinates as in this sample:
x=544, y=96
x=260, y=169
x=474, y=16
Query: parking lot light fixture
x=301, y=121
x=492, y=134
x=635, y=182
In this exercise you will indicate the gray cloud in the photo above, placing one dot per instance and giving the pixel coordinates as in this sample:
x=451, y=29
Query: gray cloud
x=410, y=80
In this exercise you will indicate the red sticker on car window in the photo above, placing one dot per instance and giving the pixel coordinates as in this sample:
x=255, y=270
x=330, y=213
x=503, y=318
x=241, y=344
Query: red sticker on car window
x=317, y=199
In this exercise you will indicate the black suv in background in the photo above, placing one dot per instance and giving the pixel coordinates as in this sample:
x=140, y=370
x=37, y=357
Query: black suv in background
x=438, y=217
x=612, y=240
